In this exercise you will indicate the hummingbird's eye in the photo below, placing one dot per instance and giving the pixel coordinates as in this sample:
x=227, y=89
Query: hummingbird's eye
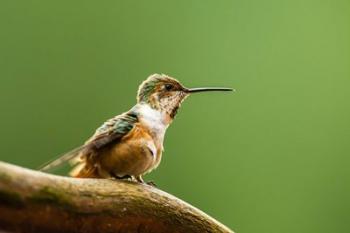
x=169, y=86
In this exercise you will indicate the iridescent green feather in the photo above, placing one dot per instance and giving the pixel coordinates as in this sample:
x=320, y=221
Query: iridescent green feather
x=146, y=90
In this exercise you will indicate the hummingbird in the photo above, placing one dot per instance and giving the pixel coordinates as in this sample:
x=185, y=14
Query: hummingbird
x=130, y=145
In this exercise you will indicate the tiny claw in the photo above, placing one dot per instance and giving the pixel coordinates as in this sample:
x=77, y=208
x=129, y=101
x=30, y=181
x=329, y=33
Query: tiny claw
x=151, y=183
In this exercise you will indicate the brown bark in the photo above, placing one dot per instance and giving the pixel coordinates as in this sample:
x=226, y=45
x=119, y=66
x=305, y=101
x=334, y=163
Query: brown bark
x=32, y=201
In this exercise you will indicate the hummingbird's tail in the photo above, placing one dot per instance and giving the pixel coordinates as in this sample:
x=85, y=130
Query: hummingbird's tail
x=69, y=156
x=80, y=158
x=83, y=170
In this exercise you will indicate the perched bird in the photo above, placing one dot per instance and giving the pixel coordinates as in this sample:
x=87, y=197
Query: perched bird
x=131, y=144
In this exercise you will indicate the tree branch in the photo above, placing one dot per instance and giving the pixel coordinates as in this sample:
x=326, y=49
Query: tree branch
x=32, y=201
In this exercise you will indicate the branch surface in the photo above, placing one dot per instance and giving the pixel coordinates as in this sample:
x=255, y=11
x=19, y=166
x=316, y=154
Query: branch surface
x=32, y=201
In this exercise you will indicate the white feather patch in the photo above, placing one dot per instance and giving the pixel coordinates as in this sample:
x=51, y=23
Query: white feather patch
x=154, y=120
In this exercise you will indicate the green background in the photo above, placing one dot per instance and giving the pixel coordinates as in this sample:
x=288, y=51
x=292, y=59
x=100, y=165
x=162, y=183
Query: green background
x=272, y=157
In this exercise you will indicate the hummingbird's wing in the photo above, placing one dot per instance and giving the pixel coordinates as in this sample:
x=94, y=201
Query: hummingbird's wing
x=110, y=132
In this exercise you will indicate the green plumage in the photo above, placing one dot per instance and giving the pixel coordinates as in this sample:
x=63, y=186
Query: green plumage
x=146, y=90
x=121, y=124
x=113, y=129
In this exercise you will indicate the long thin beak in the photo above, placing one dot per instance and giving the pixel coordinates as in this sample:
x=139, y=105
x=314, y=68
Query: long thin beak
x=203, y=89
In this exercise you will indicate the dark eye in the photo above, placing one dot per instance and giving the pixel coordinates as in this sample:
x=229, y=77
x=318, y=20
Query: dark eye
x=169, y=87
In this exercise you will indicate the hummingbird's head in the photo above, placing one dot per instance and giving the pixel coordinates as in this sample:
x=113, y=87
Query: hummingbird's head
x=166, y=94
x=163, y=93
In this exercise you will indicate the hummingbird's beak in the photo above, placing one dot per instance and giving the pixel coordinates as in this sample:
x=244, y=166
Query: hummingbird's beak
x=203, y=89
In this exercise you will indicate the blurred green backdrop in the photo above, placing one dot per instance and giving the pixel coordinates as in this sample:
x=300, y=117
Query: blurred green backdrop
x=272, y=157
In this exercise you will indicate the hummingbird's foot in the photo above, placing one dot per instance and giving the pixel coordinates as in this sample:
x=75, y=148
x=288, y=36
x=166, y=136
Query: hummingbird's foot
x=151, y=183
x=140, y=180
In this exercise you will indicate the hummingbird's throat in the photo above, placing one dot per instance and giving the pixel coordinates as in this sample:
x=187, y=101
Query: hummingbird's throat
x=171, y=104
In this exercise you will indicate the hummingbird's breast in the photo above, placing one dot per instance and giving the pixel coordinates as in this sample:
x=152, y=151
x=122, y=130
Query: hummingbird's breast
x=134, y=155
x=156, y=123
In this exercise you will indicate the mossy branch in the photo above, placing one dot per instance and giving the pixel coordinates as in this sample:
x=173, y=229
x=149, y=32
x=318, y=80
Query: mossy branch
x=32, y=201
